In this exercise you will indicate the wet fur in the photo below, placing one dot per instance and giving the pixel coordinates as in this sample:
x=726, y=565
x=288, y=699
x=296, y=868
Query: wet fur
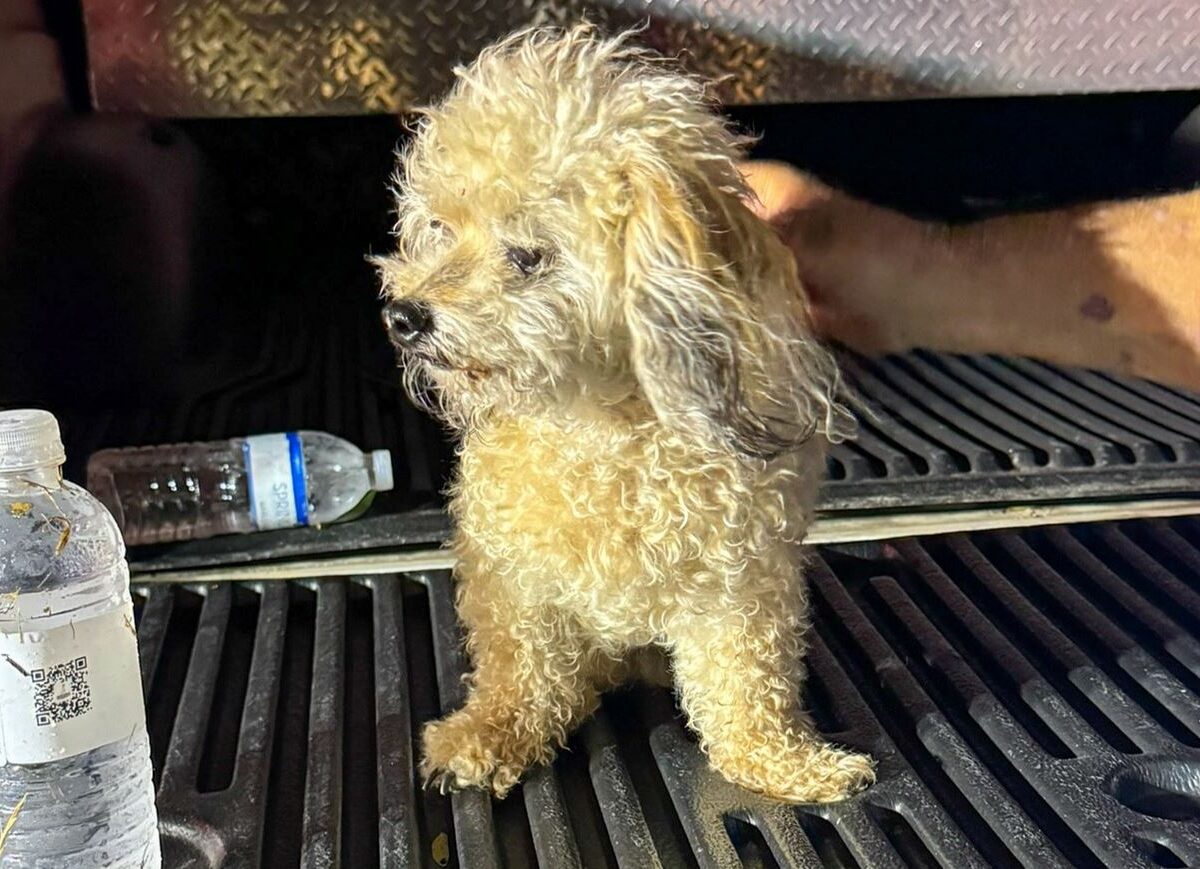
x=643, y=417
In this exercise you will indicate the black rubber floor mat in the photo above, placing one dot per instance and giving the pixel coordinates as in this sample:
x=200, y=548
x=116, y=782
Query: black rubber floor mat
x=1033, y=698
x=949, y=430
x=936, y=431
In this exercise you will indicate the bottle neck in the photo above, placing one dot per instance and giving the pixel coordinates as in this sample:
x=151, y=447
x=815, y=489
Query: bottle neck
x=41, y=477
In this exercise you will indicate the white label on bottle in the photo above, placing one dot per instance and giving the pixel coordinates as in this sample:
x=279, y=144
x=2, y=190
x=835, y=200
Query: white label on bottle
x=69, y=689
x=275, y=470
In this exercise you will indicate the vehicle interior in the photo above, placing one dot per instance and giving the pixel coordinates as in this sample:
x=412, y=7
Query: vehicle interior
x=1006, y=583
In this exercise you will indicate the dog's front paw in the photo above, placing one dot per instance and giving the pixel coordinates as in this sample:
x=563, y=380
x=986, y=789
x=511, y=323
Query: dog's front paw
x=461, y=752
x=823, y=774
x=834, y=775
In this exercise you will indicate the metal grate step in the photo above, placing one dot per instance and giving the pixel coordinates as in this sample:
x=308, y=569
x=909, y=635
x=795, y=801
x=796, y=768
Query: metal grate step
x=1033, y=699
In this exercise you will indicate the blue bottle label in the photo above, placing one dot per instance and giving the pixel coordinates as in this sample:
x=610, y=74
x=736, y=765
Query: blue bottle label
x=275, y=477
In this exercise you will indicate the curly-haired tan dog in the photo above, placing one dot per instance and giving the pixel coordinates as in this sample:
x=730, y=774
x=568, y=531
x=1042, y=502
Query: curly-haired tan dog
x=581, y=291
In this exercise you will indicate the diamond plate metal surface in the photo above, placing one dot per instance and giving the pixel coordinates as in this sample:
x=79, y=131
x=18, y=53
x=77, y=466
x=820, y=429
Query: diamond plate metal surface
x=320, y=57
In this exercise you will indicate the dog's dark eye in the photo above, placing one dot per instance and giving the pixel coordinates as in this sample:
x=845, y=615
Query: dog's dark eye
x=524, y=259
x=436, y=225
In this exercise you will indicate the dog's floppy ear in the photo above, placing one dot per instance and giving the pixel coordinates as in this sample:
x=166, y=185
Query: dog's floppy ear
x=717, y=326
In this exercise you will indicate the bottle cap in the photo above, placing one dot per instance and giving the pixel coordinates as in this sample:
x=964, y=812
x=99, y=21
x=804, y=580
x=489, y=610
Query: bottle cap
x=381, y=470
x=29, y=439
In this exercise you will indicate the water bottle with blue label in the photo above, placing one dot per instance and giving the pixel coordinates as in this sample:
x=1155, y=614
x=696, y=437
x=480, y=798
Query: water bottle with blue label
x=184, y=491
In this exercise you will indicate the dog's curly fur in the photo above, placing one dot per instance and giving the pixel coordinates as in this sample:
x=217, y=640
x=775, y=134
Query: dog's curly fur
x=625, y=351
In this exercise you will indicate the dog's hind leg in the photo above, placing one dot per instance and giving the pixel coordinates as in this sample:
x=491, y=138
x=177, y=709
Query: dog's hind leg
x=534, y=682
x=739, y=678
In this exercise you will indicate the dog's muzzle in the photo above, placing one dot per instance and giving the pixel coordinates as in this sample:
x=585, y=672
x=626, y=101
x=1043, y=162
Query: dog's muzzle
x=407, y=321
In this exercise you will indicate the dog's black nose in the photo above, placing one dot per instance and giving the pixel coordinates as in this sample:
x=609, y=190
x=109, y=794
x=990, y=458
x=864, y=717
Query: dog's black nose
x=407, y=320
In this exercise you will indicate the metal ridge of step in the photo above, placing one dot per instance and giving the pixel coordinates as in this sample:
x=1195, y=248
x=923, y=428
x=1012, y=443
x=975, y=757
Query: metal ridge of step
x=1033, y=698
x=291, y=563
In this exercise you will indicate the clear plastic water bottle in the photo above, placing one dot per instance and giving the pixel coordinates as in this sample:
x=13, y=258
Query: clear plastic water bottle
x=184, y=491
x=76, y=788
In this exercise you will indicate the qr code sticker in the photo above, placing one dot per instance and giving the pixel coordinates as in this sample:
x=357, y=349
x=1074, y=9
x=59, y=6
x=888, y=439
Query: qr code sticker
x=61, y=692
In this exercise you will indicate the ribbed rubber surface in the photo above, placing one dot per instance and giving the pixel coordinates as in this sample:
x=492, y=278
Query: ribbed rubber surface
x=1033, y=699
x=937, y=431
x=945, y=429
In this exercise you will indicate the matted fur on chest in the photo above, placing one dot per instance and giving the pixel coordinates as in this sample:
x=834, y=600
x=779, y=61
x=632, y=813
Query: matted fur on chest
x=633, y=508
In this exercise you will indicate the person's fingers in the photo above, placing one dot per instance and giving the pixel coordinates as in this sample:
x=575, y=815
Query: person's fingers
x=778, y=188
x=768, y=181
